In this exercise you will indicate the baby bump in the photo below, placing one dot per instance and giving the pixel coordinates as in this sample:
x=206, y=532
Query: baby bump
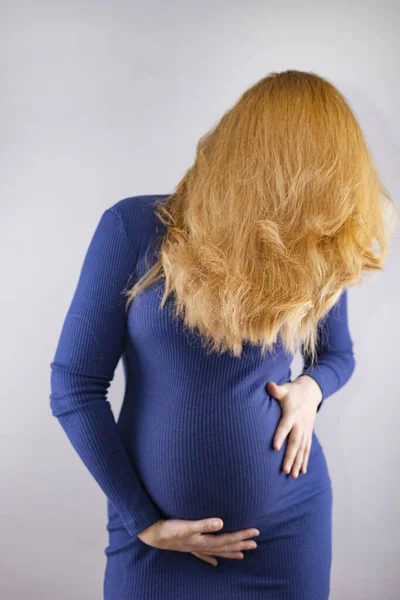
x=203, y=458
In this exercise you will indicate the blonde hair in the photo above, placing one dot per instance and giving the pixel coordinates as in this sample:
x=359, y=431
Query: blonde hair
x=277, y=215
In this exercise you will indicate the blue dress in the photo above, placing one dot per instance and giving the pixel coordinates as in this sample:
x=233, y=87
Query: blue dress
x=194, y=435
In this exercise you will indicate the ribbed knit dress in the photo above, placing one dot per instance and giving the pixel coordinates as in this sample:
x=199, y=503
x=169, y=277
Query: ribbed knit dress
x=194, y=437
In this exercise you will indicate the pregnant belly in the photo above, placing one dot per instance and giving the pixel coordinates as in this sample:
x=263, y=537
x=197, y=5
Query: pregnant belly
x=211, y=458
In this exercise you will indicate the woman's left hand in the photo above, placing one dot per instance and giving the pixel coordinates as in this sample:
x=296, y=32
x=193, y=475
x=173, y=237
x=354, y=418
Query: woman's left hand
x=299, y=400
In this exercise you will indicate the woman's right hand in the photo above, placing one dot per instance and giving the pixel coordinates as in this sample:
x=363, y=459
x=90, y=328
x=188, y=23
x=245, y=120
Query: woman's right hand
x=194, y=537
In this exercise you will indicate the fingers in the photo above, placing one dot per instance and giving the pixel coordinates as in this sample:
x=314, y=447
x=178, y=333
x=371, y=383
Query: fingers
x=284, y=426
x=213, y=561
x=298, y=461
x=235, y=555
x=306, y=456
x=297, y=453
x=209, y=559
x=295, y=438
x=233, y=543
x=186, y=536
x=215, y=546
x=238, y=540
x=204, y=525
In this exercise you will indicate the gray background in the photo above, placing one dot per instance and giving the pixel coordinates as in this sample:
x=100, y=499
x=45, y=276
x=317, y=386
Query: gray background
x=101, y=102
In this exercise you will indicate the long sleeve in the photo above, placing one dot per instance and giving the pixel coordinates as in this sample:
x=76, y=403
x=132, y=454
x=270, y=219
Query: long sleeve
x=89, y=348
x=335, y=363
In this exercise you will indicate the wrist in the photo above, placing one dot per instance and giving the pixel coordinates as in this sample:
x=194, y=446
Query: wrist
x=311, y=387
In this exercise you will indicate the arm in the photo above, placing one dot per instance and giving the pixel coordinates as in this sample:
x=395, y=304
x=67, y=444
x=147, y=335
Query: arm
x=336, y=362
x=89, y=348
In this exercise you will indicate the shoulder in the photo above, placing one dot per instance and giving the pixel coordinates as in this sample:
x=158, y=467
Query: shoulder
x=137, y=204
x=137, y=216
x=137, y=211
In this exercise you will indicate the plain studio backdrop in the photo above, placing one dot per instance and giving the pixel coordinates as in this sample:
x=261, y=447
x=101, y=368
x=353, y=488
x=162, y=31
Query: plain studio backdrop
x=103, y=101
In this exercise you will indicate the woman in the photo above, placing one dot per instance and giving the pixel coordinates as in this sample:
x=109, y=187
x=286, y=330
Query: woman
x=207, y=293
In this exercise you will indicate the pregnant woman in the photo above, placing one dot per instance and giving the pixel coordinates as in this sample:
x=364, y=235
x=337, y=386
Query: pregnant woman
x=217, y=485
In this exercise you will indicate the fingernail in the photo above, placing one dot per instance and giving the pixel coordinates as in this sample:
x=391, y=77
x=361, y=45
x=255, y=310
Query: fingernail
x=215, y=523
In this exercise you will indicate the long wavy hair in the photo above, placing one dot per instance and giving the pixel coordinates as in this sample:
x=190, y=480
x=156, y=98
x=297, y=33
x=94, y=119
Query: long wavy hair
x=281, y=211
